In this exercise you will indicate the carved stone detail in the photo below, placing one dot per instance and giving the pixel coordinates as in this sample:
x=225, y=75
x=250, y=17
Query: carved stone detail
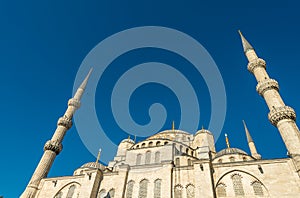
x=281, y=113
x=74, y=102
x=267, y=85
x=256, y=63
x=53, y=146
x=64, y=121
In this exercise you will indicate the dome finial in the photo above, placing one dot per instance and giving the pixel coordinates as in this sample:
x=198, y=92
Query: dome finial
x=173, y=125
x=227, y=140
x=98, y=156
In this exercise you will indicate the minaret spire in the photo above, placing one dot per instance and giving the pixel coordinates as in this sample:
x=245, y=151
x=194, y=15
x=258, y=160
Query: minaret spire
x=54, y=146
x=281, y=116
x=246, y=45
x=251, y=144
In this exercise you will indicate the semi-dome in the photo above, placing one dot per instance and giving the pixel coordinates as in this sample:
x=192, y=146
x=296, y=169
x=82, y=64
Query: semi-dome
x=230, y=151
x=203, y=131
x=128, y=141
x=93, y=165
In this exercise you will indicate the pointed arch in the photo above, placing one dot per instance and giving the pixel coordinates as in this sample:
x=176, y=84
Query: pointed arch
x=258, y=188
x=71, y=191
x=221, y=190
x=102, y=193
x=138, y=159
x=148, y=157
x=143, y=188
x=178, y=191
x=157, y=157
x=59, y=195
x=111, y=193
x=190, y=191
x=237, y=184
x=130, y=186
x=157, y=188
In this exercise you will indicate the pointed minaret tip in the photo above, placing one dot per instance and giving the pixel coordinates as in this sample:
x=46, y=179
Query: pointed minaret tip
x=249, y=138
x=84, y=82
x=246, y=45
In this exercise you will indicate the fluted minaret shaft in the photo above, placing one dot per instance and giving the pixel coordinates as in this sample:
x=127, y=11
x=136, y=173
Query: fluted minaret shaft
x=251, y=144
x=54, y=146
x=281, y=116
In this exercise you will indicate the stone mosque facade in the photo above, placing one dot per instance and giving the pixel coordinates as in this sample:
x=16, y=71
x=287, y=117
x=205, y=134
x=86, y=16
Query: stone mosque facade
x=177, y=164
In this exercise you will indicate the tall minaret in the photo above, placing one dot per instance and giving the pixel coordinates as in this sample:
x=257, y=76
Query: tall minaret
x=251, y=144
x=54, y=146
x=281, y=116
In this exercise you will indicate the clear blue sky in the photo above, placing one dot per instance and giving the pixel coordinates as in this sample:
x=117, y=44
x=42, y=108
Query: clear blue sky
x=42, y=45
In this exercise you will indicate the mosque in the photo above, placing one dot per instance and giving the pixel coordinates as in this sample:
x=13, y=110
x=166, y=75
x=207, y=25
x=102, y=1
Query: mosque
x=177, y=164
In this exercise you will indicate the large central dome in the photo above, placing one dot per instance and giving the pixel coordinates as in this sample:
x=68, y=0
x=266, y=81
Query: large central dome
x=172, y=134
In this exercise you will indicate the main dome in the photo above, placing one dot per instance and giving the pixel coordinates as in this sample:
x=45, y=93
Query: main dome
x=171, y=135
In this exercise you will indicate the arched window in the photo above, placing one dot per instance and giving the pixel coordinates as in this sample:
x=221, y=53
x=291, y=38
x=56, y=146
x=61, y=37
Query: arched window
x=257, y=188
x=157, y=157
x=178, y=191
x=138, y=159
x=143, y=188
x=244, y=159
x=143, y=145
x=158, y=143
x=150, y=144
x=190, y=191
x=111, y=193
x=138, y=146
x=102, y=194
x=237, y=185
x=177, y=161
x=221, y=190
x=59, y=195
x=148, y=157
x=180, y=148
x=157, y=188
x=189, y=162
x=231, y=159
x=166, y=143
x=220, y=161
x=71, y=191
x=129, y=189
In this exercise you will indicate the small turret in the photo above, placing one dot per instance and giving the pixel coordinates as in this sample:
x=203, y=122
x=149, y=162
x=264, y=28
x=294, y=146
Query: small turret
x=124, y=146
x=204, y=138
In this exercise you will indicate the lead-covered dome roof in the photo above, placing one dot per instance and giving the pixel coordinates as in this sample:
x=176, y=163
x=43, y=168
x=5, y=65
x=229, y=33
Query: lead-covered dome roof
x=230, y=151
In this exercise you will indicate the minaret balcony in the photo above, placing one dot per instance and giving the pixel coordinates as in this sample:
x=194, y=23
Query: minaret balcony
x=74, y=102
x=64, y=121
x=255, y=64
x=281, y=113
x=54, y=146
x=266, y=85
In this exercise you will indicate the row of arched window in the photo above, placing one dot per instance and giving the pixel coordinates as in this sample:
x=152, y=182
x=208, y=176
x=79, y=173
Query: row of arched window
x=231, y=159
x=148, y=158
x=103, y=194
x=143, y=189
x=151, y=144
x=190, y=191
x=238, y=187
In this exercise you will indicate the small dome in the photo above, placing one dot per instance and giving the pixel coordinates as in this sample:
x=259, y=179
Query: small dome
x=128, y=141
x=93, y=165
x=203, y=131
x=229, y=151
